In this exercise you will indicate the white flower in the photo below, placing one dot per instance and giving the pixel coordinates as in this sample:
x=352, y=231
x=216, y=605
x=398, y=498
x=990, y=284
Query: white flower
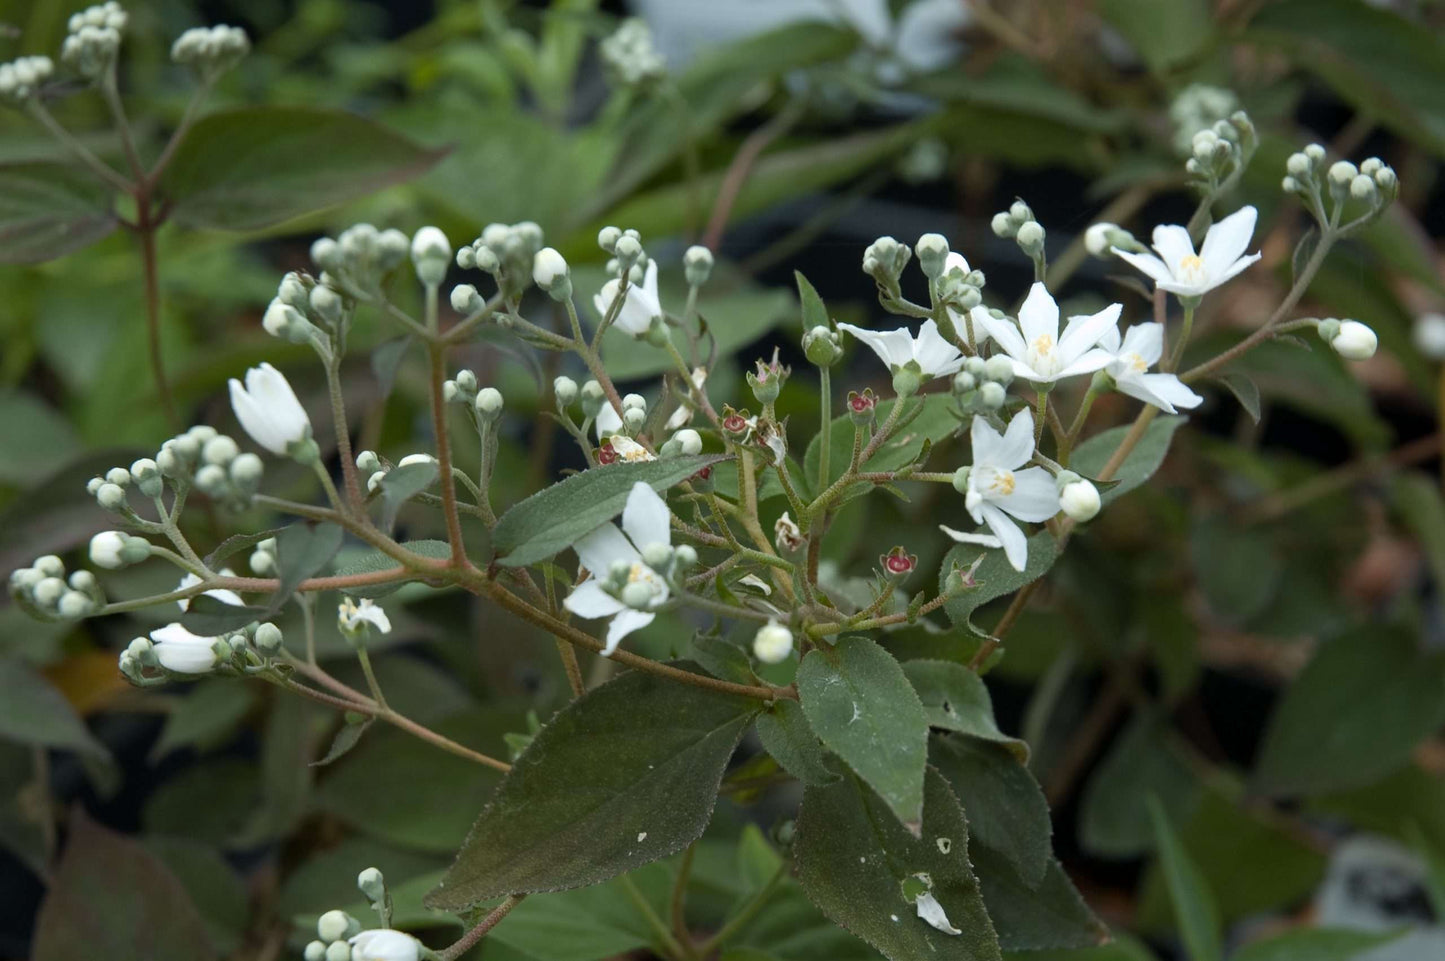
x=628, y=450
x=1179, y=270
x=1355, y=341
x=640, y=306
x=220, y=593
x=1139, y=349
x=384, y=944
x=964, y=537
x=934, y=356
x=410, y=459
x=772, y=643
x=353, y=618
x=998, y=489
x=268, y=409
x=623, y=587
x=931, y=911
x=1039, y=354
x=177, y=649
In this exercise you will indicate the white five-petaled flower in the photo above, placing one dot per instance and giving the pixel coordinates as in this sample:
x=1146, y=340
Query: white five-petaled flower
x=353, y=618
x=1133, y=355
x=1000, y=488
x=1039, y=354
x=177, y=649
x=268, y=409
x=384, y=944
x=639, y=307
x=623, y=586
x=1179, y=270
x=934, y=356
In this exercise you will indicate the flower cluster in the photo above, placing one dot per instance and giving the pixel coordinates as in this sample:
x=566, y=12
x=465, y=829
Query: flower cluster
x=211, y=51
x=506, y=251
x=629, y=56
x=93, y=41
x=43, y=591
x=20, y=79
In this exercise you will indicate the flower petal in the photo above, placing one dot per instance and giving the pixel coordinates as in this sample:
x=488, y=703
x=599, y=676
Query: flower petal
x=980, y=332
x=1018, y=442
x=1015, y=544
x=588, y=600
x=932, y=912
x=1096, y=359
x=253, y=419
x=646, y=519
x=893, y=347
x=624, y=624
x=609, y=422
x=1230, y=272
x=935, y=356
x=1164, y=391
x=987, y=443
x=1035, y=497
x=1090, y=329
x=1226, y=241
x=964, y=537
x=1157, y=270
x=600, y=548
x=1001, y=330
x=1173, y=243
x=1146, y=340
x=1039, y=315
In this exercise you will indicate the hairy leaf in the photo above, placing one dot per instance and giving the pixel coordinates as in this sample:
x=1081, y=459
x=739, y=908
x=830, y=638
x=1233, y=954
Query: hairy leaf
x=1146, y=457
x=787, y=736
x=374, y=561
x=995, y=577
x=48, y=210
x=956, y=699
x=1042, y=916
x=1005, y=806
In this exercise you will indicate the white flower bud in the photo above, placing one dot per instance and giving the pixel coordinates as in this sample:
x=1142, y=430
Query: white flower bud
x=565, y=390
x=689, y=440
x=327, y=254
x=338, y=951
x=631, y=401
x=268, y=638
x=1003, y=226
x=697, y=264
x=992, y=395
x=1429, y=335
x=211, y=480
x=430, y=254
x=219, y=450
x=410, y=459
x=637, y=595
x=1315, y=153
x=74, y=604
x=332, y=925
x=1080, y=499
x=246, y=472
x=932, y=251
x=1290, y=185
x=372, y=884
x=49, y=565
x=1342, y=172
x=963, y=382
x=607, y=238
x=391, y=247
x=327, y=303
x=1096, y=239
x=367, y=462
x=772, y=643
x=106, y=550
x=489, y=403
x=1031, y=237
x=1355, y=341
x=49, y=591
x=384, y=945
x=1020, y=212
x=999, y=369
x=684, y=556
x=633, y=418
x=1363, y=188
x=118, y=476
x=269, y=411
x=466, y=381
x=315, y=951
x=548, y=268
x=466, y=299
x=1298, y=165
x=111, y=497
x=657, y=556
x=373, y=483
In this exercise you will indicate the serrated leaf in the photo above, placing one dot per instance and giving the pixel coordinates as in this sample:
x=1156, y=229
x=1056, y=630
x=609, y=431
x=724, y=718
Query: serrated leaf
x=1353, y=715
x=48, y=210
x=1245, y=390
x=1146, y=457
x=401, y=484
x=1047, y=916
x=110, y=898
x=603, y=788
x=374, y=561
x=815, y=313
x=552, y=519
x=238, y=542
x=253, y=167
x=955, y=699
x=1194, y=906
x=35, y=712
x=347, y=737
x=861, y=705
x=995, y=577
x=1005, y=806
x=787, y=736
x=853, y=858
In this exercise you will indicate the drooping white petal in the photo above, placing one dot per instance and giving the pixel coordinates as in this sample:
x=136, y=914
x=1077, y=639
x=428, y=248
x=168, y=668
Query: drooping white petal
x=1034, y=498
x=1084, y=332
x=1015, y=544
x=1225, y=242
x=1164, y=391
x=598, y=550
x=936, y=357
x=268, y=409
x=590, y=601
x=624, y=624
x=893, y=347
x=931, y=911
x=1092, y=360
x=646, y=519
x=964, y=537
x=1039, y=315
x=353, y=616
x=177, y=649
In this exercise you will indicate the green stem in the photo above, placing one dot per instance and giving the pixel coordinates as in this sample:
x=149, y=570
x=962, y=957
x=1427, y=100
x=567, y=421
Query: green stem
x=82, y=153
x=372, y=683
x=825, y=428
x=670, y=945
x=1177, y=354
x=1041, y=416
x=746, y=913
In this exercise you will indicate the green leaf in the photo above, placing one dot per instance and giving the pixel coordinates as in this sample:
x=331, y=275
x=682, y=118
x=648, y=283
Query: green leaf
x=37, y=713
x=1165, y=35
x=1014, y=85
x=853, y=858
x=603, y=788
x=1245, y=390
x=204, y=717
x=1146, y=457
x=1142, y=763
x=1194, y=907
x=1354, y=714
x=48, y=210
x=1005, y=806
x=995, y=577
x=723, y=659
x=552, y=519
x=1315, y=944
x=786, y=735
x=933, y=423
x=1237, y=568
x=218, y=893
x=210, y=617
x=955, y=699
x=303, y=550
x=815, y=313
x=253, y=167
x=1419, y=506
x=401, y=484
x=347, y=737
x=110, y=898
x=36, y=438
x=1044, y=916
x=237, y=543
x=860, y=703
x=373, y=561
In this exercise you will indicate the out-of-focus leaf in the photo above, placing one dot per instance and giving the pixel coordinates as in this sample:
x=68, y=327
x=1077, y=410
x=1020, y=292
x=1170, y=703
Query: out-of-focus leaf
x=48, y=210
x=401, y=484
x=854, y=857
x=1353, y=715
x=218, y=893
x=554, y=518
x=36, y=439
x=722, y=658
x=1194, y=907
x=860, y=703
x=1141, y=764
x=377, y=561
x=956, y=699
x=1049, y=914
x=347, y=737
x=1017, y=85
x=237, y=543
x=252, y=167
x=111, y=899
x=1245, y=391
x=786, y=735
x=210, y=617
x=36, y=713
x=1005, y=806
x=1164, y=35
x=603, y=788
x=302, y=551
x=815, y=313
x=1315, y=944
x=1146, y=457
x=1417, y=502
x=1237, y=568
x=207, y=713
x=995, y=577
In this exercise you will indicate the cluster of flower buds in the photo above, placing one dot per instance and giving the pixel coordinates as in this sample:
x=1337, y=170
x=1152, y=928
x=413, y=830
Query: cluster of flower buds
x=43, y=591
x=1018, y=223
x=93, y=43
x=1373, y=183
x=884, y=260
x=768, y=382
x=211, y=51
x=20, y=79
x=304, y=310
x=1220, y=152
x=263, y=557
x=1196, y=107
x=1101, y=239
x=626, y=254
x=773, y=643
x=630, y=57
x=360, y=256
x=507, y=252
x=174, y=652
x=982, y=384
x=340, y=937
x=370, y=463
x=223, y=472
x=486, y=402
x=1350, y=339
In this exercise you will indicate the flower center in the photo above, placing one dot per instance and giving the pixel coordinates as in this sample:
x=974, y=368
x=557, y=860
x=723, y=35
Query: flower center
x=1135, y=363
x=996, y=482
x=1191, y=269
x=1041, y=355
